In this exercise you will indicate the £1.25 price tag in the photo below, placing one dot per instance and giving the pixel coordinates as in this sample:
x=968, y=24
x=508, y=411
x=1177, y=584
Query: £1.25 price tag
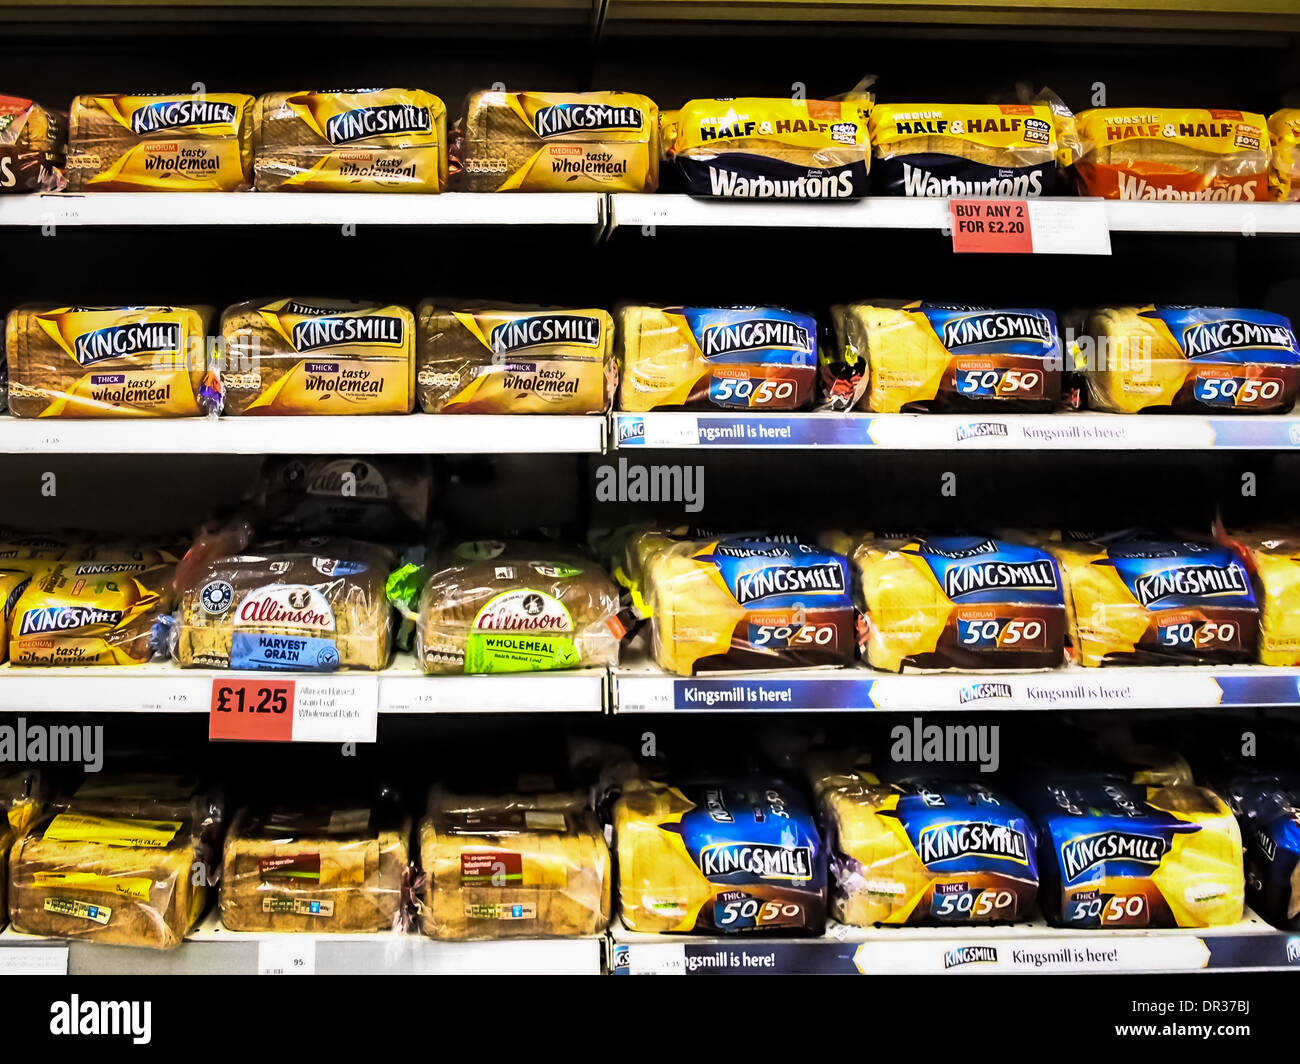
x=258, y=710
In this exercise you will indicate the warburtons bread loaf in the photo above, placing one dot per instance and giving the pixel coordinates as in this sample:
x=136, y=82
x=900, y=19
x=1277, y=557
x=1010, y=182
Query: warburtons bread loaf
x=510, y=871
x=199, y=143
x=481, y=359
x=516, y=607
x=783, y=148
x=33, y=146
x=317, y=356
x=734, y=358
x=369, y=140
x=970, y=149
x=120, y=880
x=90, y=613
x=560, y=142
x=314, y=869
x=1162, y=153
x=1222, y=360
x=106, y=361
x=1284, y=176
x=300, y=607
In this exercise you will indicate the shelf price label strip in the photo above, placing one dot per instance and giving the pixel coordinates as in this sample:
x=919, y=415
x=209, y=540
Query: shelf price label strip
x=307, y=708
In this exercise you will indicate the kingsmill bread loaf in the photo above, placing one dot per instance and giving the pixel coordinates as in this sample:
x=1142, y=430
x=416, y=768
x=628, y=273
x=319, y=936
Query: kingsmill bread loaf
x=1284, y=175
x=317, y=356
x=106, y=361
x=368, y=140
x=187, y=143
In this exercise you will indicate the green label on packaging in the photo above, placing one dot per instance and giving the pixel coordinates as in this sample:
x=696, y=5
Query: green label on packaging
x=521, y=631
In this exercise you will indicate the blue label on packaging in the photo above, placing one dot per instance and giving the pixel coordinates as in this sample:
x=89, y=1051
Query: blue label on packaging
x=753, y=335
x=976, y=569
x=251, y=650
x=994, y=330
x=1165, y=575
x=960, y=827
x=1229, y=334
x=765, y=575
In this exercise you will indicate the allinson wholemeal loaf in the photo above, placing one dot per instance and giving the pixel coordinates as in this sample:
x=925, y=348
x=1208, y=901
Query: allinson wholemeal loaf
x=368, y=140
x=184, y=143
x=560, y=142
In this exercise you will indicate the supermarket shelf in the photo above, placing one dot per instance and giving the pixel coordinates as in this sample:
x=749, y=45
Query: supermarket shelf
x=324, y=209
x=638, y=210
x=403, y=688
x=640, y=688
x=212, y=950
x=949, y=432
x=1032, y=948
x=385, y=434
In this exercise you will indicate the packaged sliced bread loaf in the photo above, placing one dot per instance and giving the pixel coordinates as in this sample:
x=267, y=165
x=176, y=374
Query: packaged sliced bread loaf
x=1284, y=176
x=182, y=143
x=33, y=146
x=368, y=140
x=317, y=356
x=80, y=362
x=314, y=869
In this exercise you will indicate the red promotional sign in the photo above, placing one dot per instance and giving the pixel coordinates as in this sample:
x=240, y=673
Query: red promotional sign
x=256, y=710
x=991, y=226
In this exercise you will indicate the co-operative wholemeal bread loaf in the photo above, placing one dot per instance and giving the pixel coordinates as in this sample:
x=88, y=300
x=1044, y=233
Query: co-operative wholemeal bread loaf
x=560, y=142
x=119, y=880
x=317, y=356
x=106, y=361
x=507, y=872
x=377, y=140
x=199, y=143
x=304, y=607
x=480, y=359
x=33, y=146
x=517, y=607
x=314, y=870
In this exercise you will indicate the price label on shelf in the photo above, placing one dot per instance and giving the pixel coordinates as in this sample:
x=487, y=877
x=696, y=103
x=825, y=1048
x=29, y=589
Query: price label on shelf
x=321, y=709
x=1022, y=227
x=286, y=955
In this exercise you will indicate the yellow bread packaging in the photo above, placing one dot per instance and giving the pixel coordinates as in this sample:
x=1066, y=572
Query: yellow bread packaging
x=922, y=850
x=370, y=140
x=483, y=359
x=199, y=143
x=960, y=602
x=1163, y=153
x=559, y=142
x=729, y=358
x=1273, y=557
x=315, y=870
x=930, y=150
x=317, y=356
x=1116, y=854
x=1284, y=176
x=740, y=855
x=742, y=602
x=1140, y=598
x=762, y=148
x=122, y=880
x=83, y=362
x=894, y=356
x=1222, y=360
x=91, y=613
x=514, y=869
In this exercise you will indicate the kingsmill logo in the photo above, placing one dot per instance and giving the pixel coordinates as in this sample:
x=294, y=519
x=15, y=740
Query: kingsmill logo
x=631, y=430
x=978, y=429
x=953, y=958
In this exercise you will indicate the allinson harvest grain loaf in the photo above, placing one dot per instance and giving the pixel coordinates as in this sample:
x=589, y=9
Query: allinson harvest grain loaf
x=106, y=361
x=121, y=880
x=516, y=607
x=314, y=870
x=483, y=359
x=1161, y=153
x=369, y=140
x=317, y=356
x=560, y=142
x=311, y=607
x=199, y=143
x=514, y=870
